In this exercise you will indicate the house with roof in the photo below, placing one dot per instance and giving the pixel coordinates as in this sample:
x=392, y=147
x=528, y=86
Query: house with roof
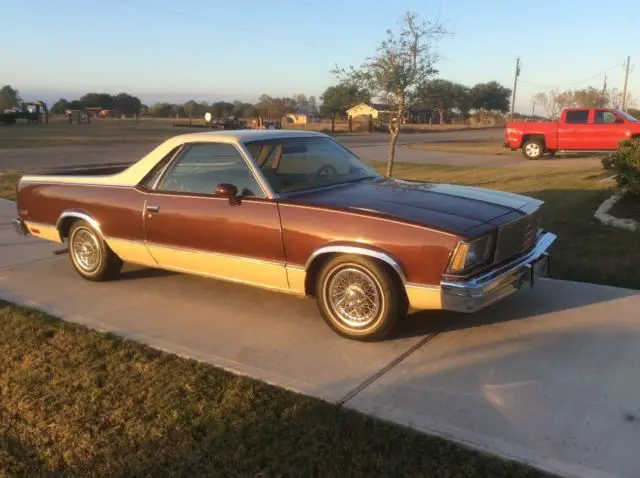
x=377, y=110
x=304, y=114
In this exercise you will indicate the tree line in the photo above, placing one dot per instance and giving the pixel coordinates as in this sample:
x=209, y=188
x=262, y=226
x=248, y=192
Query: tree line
x=439, y=95
x=554, y=101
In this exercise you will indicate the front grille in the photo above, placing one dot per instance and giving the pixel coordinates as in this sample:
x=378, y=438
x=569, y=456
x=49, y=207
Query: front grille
x=517, y=237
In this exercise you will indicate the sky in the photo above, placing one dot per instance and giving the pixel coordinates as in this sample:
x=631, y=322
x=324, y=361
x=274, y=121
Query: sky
x=213, y=50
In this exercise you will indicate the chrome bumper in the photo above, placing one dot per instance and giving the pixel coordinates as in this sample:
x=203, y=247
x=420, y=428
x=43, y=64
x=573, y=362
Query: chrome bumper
x=482, y=291
x=20, y=227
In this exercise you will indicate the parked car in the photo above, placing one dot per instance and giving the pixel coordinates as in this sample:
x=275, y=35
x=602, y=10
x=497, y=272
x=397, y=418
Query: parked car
x=294, y=212
x=579, y=130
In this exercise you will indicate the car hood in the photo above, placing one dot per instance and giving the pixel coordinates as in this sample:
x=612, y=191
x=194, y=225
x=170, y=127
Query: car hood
x=460, y=210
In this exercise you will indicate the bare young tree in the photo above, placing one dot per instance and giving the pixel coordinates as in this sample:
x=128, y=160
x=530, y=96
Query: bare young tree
x=403, y=61
x=614, y=97
x=554, y=101
x=549, y=101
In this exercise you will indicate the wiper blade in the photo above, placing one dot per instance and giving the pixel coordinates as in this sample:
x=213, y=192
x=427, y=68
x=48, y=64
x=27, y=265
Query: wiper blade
x=358, y=179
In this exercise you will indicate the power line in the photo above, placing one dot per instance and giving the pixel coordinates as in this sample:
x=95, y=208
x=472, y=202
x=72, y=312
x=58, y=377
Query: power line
x=261, y=33
x=603, y=72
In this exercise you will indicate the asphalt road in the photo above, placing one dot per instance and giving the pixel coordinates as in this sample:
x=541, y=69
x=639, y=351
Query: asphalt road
x=368, y=147
x=547, y=376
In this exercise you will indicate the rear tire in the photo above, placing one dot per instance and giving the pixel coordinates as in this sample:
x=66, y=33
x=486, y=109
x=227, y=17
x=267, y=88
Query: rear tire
x=359, y=298
x=90, y=256
x=533, y=149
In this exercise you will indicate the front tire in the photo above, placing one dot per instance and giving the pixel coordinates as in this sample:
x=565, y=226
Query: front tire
x=90, y=256
x=359, y=298
x=533, y=149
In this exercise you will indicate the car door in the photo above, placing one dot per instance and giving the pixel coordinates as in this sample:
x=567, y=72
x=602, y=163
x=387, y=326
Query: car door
x=608, y=130
x=573, y=130
x=189, y=228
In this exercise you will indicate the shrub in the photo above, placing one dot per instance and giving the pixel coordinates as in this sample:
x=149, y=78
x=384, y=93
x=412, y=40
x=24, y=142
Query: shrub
x=626, y=163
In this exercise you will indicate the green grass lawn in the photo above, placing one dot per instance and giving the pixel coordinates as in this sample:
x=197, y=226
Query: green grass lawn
x=489, y=147
x=79, y=403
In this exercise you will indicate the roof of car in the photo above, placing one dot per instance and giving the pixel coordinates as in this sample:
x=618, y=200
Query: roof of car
x=242, y=135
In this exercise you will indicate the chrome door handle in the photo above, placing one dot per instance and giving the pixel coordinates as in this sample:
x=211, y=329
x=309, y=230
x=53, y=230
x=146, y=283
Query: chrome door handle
x=151, y=208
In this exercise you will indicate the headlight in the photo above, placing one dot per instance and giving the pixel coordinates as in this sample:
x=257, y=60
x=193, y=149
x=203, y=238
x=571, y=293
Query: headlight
x=471, y=254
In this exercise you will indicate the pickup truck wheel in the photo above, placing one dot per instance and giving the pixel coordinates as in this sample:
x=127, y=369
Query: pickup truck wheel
x=358, y=298
x=90, y=255
x=533, y=149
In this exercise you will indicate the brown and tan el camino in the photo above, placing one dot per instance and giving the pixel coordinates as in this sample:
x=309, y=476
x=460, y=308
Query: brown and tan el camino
x=294, y=212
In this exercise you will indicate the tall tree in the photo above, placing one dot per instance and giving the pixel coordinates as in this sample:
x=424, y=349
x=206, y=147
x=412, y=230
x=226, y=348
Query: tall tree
x=403, y=61
x=463, y=99
x=339, y=98
x=126, y=103
x=222, y=109
x=301, y=100
x=9, y=98
x=60, y=107
x=97, y=100
x=491, y=96
x=313, y=105
x=589, y=97
x=191, y=108
x=437, y=94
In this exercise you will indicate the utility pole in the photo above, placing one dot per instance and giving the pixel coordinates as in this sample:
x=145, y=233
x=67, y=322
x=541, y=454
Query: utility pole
x=604, y=90
x=626, y=81
x=515, y=85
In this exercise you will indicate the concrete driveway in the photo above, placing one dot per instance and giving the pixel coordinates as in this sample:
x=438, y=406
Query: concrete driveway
x=549, y=376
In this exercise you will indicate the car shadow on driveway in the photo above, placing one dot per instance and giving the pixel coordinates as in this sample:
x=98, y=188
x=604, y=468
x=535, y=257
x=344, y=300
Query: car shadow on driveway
x=548, y=297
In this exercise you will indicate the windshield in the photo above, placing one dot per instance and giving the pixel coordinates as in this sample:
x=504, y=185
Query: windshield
x=627, y=116
x=298, y=164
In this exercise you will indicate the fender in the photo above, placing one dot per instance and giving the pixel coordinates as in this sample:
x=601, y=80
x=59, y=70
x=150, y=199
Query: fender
x=357, y=250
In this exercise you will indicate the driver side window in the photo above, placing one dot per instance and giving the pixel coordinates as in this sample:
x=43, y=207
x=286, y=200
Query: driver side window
x=605, y=117
x=203, y=166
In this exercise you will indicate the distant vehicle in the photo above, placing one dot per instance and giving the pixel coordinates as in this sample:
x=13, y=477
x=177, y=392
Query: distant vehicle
x=579, y=130
x=294, y=212
x=31, y=111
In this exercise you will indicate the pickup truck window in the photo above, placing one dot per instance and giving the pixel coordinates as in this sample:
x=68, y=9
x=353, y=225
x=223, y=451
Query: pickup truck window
x=606, y=117
x=577, y=117
x=203, y=166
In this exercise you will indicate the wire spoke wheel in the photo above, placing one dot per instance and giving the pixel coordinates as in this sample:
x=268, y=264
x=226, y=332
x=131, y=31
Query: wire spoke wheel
x=86, y=251
x=355, y=297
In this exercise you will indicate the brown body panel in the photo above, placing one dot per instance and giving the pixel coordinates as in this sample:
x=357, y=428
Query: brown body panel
x=422, y=253
x=211, y=224
x=118, y=210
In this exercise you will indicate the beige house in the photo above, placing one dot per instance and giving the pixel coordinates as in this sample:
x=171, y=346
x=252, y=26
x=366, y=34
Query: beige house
x=304, y=115
x=376, y=110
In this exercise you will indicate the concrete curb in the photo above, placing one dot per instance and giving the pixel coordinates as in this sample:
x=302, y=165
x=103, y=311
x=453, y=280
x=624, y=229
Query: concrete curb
x=602, y=214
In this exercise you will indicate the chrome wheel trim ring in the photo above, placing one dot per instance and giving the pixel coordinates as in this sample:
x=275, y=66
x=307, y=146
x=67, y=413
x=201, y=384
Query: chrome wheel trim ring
x=85, y=250
x=532, y=150
x=354, y=297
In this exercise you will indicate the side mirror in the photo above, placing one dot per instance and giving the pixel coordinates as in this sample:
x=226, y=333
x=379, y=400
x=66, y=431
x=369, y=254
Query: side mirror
x=225, y=190
x=619, y=120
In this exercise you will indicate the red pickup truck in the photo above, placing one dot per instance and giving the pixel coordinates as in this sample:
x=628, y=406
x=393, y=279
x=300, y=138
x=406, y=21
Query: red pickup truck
x=579, y=129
